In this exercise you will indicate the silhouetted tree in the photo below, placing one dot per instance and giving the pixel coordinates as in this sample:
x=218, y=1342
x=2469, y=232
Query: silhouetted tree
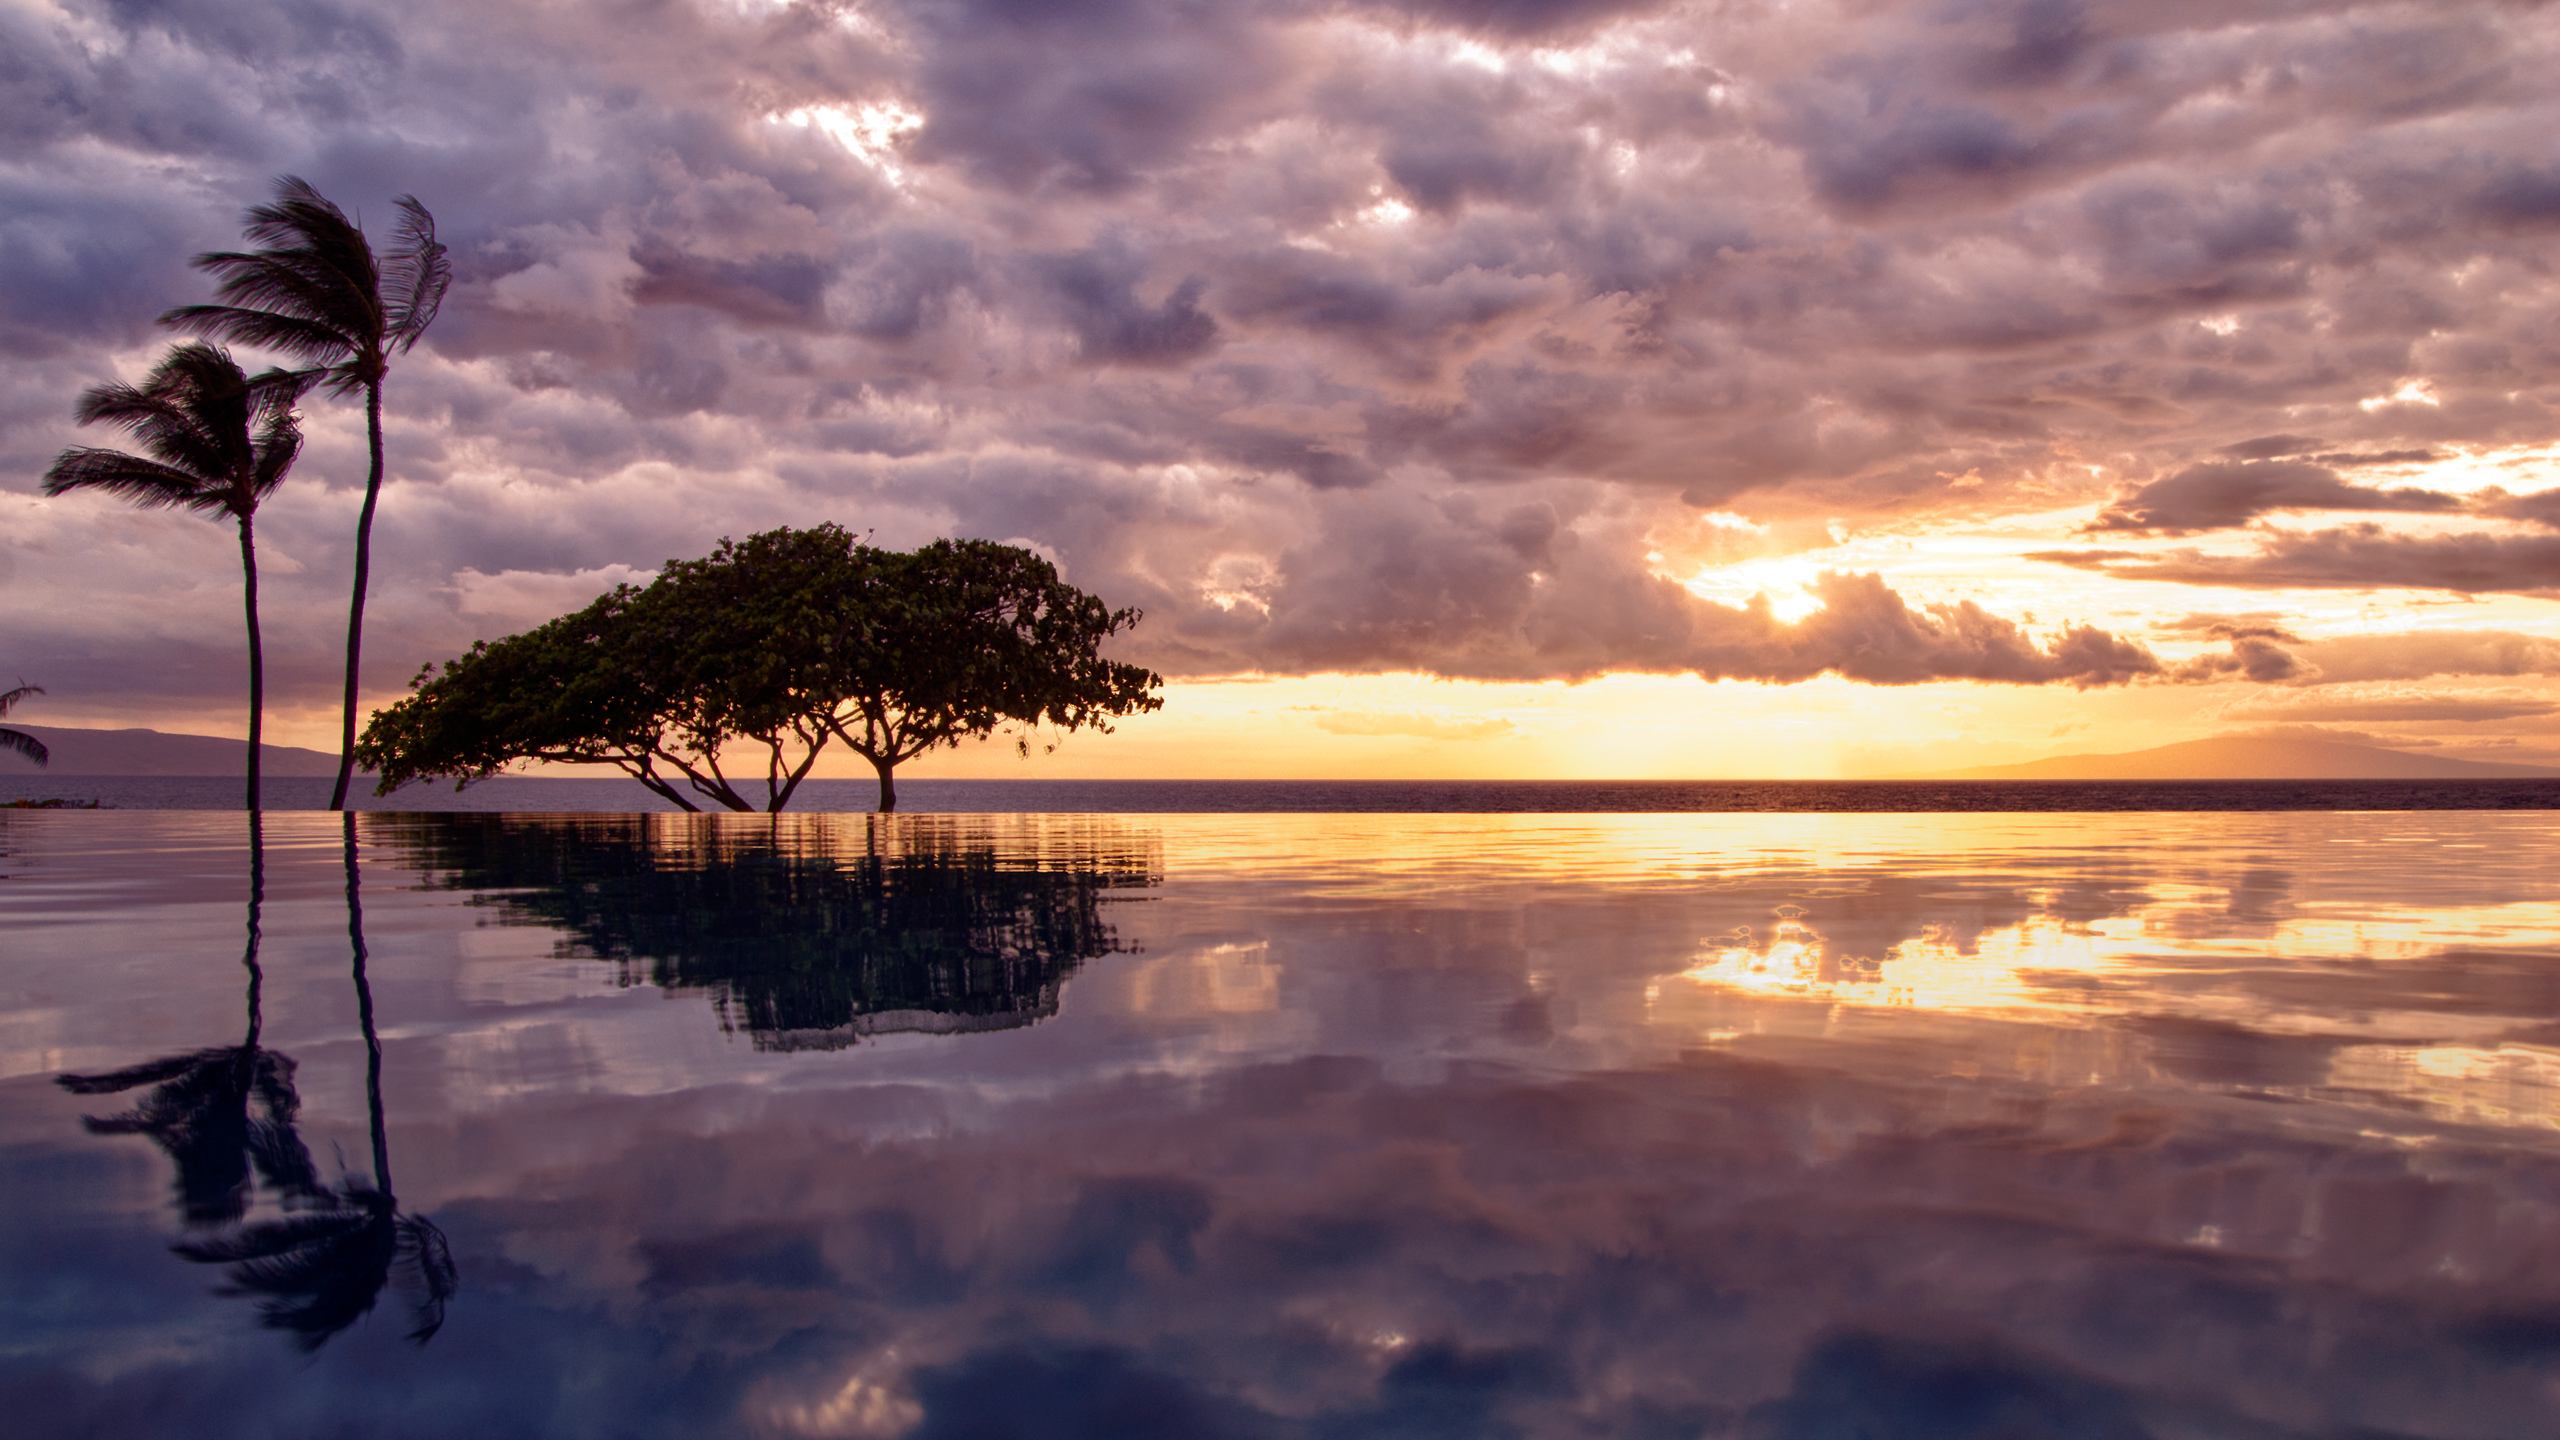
x=788, y=639
x=19, y=742
x=315, y=292
x=218, y=443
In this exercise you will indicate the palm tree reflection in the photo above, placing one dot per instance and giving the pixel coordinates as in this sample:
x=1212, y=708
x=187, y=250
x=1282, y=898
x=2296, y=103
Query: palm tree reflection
x=319, y=1267
x=199, y=1108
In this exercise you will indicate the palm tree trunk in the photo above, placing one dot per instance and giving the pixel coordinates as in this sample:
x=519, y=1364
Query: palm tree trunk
x=364, y=1017
x=355, y=607
x=257, y=656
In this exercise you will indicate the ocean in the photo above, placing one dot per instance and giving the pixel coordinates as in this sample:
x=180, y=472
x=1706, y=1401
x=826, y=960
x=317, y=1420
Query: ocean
x=1416, y=797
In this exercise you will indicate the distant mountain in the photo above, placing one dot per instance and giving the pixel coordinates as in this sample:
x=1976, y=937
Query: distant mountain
x=150, y=752
x=2236, y=757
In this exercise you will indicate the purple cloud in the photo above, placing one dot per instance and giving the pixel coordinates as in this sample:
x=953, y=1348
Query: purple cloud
x=1312, y=294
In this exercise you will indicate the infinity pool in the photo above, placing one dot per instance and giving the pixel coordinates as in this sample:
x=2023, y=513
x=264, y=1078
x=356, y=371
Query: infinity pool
x=1754, y=1125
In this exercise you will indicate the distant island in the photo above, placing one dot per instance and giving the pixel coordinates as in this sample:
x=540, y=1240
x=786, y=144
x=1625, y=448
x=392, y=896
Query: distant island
x=2240, y=757
x=153, y=752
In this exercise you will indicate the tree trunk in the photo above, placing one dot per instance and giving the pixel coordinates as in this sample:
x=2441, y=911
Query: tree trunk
x=355, y=607
x=364, y=1018
x=888, y=783
x=257, y=656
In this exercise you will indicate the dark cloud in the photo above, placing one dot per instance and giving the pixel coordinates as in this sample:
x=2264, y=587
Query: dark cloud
x=2257, y=649
x=1088, y=95
x=1096, y=290
x=1515, y=19
x=768, y=290
x=2313, y=451
x=2350, y=557
x=2217, y=495
x=2542, y=508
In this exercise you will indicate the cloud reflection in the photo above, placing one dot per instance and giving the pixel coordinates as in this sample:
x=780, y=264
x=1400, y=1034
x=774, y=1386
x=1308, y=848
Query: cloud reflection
x=1360, y=1147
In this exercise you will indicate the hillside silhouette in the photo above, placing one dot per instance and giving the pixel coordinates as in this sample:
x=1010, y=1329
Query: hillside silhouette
x=2247, y=757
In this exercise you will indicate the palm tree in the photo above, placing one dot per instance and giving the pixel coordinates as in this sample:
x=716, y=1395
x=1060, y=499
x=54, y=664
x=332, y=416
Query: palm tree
x=19, y=741
x=315, y=292
x=219, y=442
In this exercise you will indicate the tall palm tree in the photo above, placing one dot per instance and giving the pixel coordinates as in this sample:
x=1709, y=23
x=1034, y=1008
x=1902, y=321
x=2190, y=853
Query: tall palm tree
x=219, y=442
x=315, y=292
x=19, y=741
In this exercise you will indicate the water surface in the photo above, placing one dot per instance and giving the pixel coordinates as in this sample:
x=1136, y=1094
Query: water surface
x=2238, y=1124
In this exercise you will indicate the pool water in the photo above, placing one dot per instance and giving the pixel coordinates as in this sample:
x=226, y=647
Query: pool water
x=1765, y=1125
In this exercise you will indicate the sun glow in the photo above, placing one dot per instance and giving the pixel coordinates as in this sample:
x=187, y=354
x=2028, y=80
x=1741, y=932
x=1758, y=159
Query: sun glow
x=870, y=132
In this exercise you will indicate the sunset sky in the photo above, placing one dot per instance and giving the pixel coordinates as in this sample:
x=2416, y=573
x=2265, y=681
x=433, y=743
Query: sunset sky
x=1565, y=388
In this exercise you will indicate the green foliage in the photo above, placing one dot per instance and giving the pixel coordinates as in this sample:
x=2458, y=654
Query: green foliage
x=777, y=645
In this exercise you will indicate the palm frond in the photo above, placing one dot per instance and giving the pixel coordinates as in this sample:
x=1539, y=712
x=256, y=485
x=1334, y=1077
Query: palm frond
x=287, y=329
x=308, y=282
x=315, y=1273
x=425, y=1267
x=193, y=415
x=19, y=742
x=150, y=1072
x=146, y=483
x=270, y=1239
x=415, y=275
x=301, y=218
x=167, y=430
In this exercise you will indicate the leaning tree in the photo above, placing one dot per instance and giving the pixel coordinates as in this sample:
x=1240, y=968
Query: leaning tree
x=217, y=442
x=315, y=291
x=774, y=646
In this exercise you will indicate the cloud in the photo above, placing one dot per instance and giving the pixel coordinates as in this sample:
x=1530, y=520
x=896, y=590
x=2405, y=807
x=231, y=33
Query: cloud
x=1864, y=631
x=2256, y=654
x=2426, y=654
x=1322, y=290
x=2216, y=495
x=2350, y=557
x=2542, y=508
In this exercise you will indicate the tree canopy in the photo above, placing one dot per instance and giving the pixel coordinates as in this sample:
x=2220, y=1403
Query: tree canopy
x=774, y=647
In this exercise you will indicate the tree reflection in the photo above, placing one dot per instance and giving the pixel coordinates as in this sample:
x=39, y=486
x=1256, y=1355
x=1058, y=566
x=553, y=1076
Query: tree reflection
x=810, y=933
x=198, y=1110
x=320, y=1266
